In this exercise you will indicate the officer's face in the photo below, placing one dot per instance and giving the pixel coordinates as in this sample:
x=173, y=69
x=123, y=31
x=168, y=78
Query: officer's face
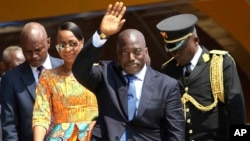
x=186, y=53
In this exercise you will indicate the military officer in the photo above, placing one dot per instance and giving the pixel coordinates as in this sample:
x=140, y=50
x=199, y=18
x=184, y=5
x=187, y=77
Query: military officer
x=212, y=95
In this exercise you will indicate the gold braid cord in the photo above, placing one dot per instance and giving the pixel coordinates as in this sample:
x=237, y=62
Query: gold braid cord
x=188, y=98
x=216, y=79
x=216, y=76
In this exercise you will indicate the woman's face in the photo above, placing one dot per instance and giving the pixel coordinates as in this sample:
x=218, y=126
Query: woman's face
x=68, y=46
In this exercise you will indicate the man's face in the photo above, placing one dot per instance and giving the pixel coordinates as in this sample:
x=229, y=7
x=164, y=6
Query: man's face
x=35, y=51
x=132, y=56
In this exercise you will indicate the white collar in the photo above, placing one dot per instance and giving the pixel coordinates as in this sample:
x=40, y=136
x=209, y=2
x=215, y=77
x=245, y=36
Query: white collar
x=196, y=57
x=141, y=74
x=47, y=64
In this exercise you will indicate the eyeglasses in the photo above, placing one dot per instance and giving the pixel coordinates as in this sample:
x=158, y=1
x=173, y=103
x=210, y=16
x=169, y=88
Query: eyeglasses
x=63, y=46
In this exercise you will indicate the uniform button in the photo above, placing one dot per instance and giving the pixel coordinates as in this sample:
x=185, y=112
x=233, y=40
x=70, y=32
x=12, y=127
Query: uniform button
x=192, y=140
x=188, y=120
x=190, y=131
x=187, y=110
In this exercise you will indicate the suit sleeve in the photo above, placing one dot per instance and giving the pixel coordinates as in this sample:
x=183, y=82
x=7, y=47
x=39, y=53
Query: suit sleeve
x=83, y=69
x=174, y=119
x=9, y=111
x=233, y=93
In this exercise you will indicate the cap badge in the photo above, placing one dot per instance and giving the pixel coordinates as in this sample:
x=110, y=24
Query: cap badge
x=164, y=34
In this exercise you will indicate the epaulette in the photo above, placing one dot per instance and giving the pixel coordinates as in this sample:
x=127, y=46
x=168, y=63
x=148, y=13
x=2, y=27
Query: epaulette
x=219, y=52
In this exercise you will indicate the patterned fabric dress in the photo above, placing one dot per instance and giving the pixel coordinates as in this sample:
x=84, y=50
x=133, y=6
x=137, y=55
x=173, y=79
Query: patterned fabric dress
x=66, y=103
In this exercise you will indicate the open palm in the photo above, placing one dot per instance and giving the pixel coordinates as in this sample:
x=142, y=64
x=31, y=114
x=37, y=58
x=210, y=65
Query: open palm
x=112, y=21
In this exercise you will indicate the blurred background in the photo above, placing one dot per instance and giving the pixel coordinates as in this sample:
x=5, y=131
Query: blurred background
x=222, y=24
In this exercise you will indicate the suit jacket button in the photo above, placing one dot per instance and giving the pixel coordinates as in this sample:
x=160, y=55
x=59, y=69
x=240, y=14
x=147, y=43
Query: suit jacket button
x=116, y=137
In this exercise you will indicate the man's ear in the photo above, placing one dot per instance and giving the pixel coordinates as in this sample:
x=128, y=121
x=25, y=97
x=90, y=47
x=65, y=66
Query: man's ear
x=196, y=40
x=48, y=41
x=2, y=67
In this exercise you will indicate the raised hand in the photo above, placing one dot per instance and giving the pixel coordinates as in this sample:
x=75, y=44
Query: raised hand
x=112, y=21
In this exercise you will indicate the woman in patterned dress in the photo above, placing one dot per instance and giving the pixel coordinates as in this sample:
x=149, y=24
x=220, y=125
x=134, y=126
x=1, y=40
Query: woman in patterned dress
x=60, y=99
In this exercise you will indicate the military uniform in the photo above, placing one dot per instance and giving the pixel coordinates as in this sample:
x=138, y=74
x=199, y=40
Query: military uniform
x=207, y=117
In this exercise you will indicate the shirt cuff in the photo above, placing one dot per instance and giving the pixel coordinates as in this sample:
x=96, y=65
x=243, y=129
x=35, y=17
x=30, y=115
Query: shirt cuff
x=97, y=41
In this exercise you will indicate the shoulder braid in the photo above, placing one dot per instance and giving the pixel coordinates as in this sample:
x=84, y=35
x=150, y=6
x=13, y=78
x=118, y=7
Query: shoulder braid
x=216, y=79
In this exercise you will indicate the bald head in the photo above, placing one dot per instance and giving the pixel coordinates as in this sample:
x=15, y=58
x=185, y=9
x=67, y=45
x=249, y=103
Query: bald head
x=132, y=36
x=33, y=31
x=35, y=43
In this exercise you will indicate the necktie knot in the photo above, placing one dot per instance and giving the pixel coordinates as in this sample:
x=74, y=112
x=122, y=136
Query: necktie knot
x=188, y=70
x=40, y=69
x=130, y=77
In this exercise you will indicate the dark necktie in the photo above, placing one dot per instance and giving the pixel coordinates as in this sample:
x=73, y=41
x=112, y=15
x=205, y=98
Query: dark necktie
x=131, y=102
x=188, y=70
x=40, y=69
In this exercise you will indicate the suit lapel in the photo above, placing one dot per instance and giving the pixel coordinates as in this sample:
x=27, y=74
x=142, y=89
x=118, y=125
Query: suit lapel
x=28, y=77
x=199, y=67
x=147, y=91
x=122, y=94
x=55, y=62
x=121, y=91
x=28, y=80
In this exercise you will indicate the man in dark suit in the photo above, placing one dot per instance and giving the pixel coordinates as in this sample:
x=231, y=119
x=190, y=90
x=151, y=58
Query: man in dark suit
x=211, y=91
x=19, y=84
x=12, y=56
x=158, y=115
